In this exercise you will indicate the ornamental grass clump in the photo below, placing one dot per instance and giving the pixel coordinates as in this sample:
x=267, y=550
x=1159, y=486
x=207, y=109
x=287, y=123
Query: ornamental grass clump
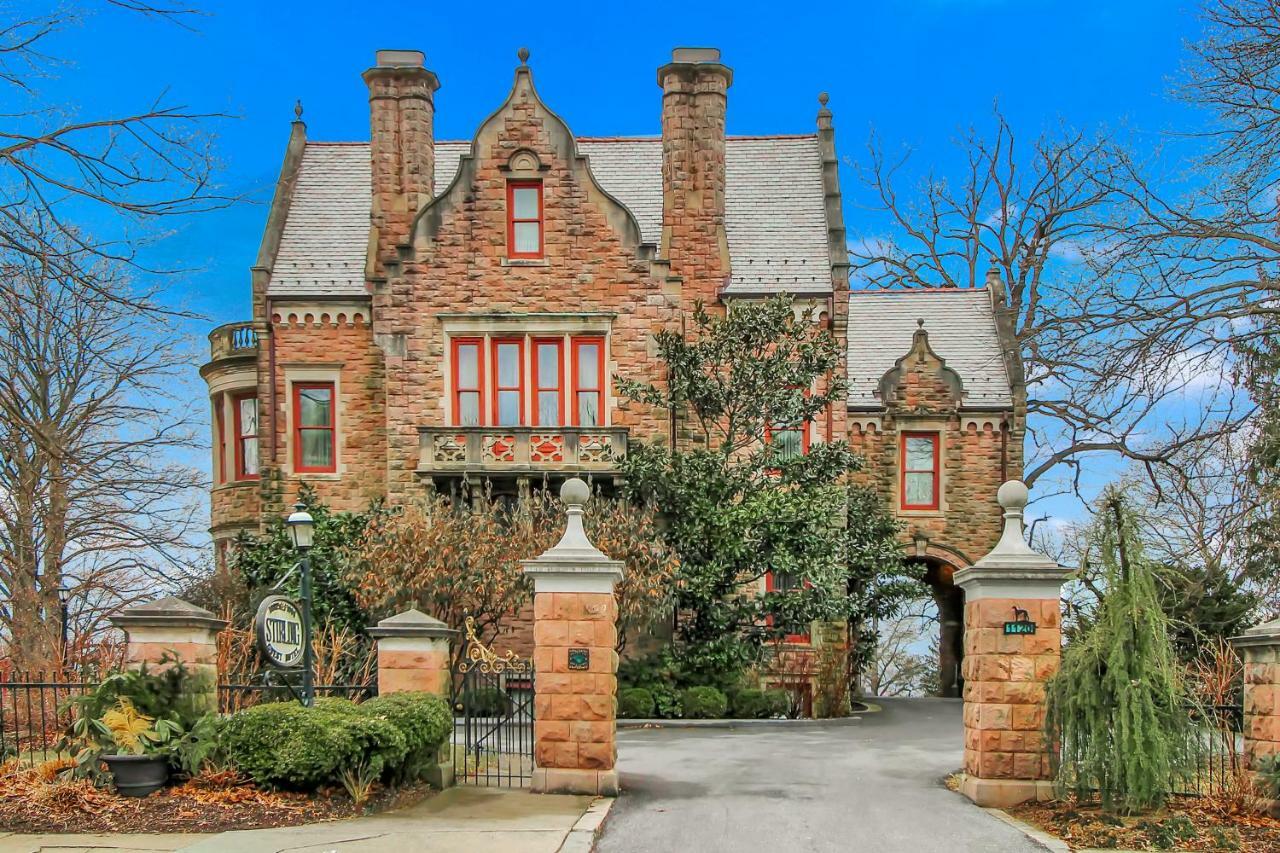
x=1119, y=707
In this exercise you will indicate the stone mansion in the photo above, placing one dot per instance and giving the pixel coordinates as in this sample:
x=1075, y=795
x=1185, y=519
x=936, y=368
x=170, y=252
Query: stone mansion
x=429, y=310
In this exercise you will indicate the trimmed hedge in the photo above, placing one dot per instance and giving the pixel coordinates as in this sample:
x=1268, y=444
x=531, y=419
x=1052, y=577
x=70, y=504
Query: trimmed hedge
x=636, y=703
x=425, y=721
x=285, y=745
x=754, y=704
x=703, y=703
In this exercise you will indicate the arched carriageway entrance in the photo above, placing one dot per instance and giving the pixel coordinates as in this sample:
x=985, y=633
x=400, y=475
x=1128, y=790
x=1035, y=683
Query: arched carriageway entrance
x=949, y=600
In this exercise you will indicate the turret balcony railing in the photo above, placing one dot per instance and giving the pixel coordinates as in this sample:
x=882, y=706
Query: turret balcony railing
x=518, y=451
x=233, y=339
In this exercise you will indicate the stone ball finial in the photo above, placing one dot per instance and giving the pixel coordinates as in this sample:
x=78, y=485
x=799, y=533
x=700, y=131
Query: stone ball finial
x=1013, y=495
x=823, y=97
x=523, y=55
x=297, y=110
x=575, y=492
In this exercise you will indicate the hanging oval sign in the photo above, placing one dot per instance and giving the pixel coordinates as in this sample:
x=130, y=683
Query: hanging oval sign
x=279, y=629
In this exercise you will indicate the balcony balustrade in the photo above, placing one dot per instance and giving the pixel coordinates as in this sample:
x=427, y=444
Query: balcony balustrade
x=488, y=451
x=233, y=339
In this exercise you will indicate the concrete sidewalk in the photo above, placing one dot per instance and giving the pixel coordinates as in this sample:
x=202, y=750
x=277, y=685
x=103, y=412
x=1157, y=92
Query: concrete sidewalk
x=463, y=819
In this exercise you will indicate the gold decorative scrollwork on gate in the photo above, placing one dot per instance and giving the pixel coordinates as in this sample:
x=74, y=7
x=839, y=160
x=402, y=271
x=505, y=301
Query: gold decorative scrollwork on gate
x=484, y=659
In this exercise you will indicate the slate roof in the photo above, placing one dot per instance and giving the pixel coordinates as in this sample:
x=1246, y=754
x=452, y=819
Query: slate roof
x=962, y=330
x=775, y=215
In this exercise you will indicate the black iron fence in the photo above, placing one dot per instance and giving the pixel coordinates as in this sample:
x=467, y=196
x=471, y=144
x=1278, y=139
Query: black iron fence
x=35, y=711
x=1217, y=750
x=493, y=724
x=237, y=697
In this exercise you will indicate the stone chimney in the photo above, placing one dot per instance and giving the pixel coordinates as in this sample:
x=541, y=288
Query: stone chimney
x=694, y=97
x=402, y=146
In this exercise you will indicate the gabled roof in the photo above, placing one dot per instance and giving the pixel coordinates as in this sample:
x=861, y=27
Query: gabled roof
x=775, y=215
x=962, y=330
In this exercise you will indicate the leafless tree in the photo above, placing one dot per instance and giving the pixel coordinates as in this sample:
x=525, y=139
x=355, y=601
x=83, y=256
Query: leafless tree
x=93, y=496
x=59, y=169
x=900, y=667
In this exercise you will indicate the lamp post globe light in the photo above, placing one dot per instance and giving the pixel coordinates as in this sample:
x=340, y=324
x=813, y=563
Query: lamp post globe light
x=302, y=528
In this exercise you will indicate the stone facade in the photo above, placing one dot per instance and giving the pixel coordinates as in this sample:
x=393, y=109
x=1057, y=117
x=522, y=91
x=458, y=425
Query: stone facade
x=1260, y=649
x=373, y=302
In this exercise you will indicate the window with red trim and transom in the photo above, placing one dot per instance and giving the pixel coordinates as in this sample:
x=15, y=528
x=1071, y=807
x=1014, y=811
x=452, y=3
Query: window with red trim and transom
x=245, y=417
x=314, y=428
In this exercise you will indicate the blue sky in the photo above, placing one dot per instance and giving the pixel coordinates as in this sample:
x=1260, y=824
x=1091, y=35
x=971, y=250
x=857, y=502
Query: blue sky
x=918, y=71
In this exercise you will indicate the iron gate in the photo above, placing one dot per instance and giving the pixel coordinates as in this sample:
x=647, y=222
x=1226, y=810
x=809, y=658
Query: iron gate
x=492, y=716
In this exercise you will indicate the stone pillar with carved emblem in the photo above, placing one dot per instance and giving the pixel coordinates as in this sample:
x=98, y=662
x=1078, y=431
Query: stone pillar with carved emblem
x=575, y=659
x=1013, y=641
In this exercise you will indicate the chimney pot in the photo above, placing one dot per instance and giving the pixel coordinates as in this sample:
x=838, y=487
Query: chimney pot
x=399, y=58
x=695, y=54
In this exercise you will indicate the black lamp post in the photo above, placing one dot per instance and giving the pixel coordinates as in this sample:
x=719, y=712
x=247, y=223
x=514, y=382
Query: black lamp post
x=302, y=528
x=64, y=617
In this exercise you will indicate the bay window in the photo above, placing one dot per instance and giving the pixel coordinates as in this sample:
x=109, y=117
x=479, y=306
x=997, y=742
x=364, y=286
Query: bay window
x=508, y=382
x=314, y=428
x=245, y=414
x=588, y=376
x=468, y=380
x=919, y=463
x=548, y=378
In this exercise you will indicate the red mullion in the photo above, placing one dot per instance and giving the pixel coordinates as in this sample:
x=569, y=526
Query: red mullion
x=577, y=344
x=458, y=343
x=519, y=389
x=239, y=472
x=558, y=343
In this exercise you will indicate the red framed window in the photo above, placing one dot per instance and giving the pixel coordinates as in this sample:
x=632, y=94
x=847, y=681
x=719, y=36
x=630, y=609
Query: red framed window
x=508, y=381
x=245, y=416
x=524, y=219
x=588, y=381
x=220, y=454
x=919, y=470
x=782, y=582
x=314, y=431
x=548, y=381
x=468, y=382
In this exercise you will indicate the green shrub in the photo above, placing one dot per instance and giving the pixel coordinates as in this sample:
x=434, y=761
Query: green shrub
x=283, y=744
x=425, y=721
x=759, y=704
x=636, y=703
x=485, y=702
x=703, y=703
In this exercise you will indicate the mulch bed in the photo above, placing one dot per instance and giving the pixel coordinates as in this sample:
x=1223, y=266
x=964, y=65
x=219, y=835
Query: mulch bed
x=39, y=800
x=1186, y=823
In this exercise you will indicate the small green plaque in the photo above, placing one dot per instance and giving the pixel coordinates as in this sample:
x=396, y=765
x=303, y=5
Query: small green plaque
x=579, y=658
x=1022, y=626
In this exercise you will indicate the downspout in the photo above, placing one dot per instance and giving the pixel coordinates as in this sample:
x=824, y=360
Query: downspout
x=1004, y=448
x=271, y=378
x=831, y=327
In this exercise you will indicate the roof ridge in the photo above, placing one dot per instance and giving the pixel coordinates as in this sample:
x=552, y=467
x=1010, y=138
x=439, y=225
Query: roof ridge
x=914, y=290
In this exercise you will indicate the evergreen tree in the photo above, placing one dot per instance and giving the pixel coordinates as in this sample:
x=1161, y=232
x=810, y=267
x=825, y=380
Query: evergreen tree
x=1119, y=707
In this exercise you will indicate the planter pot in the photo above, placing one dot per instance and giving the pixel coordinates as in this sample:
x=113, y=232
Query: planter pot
x=137, y=775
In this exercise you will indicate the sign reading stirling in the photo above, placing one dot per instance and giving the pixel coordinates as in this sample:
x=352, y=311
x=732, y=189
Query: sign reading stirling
x=279, y=629
x=1021, y=623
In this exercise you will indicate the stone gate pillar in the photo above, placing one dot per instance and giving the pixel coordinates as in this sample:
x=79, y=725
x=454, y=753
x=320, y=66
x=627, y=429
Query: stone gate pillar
x=575, y=658
x=413, y=653
x=1013, y=641
x=1260, y=648
x=171, y=628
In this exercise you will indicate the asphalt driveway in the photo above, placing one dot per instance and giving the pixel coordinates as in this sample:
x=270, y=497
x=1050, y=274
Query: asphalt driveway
x=874, y=784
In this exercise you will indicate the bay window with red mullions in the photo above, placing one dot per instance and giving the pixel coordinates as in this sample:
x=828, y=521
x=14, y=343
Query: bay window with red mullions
x=245, y=418
x=543, y=381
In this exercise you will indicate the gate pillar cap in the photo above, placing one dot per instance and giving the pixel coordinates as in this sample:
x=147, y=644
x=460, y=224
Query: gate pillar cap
x=411, y=623
x=1266, y=634
x=1012, y=569
x=573, y=564
x=167, y=612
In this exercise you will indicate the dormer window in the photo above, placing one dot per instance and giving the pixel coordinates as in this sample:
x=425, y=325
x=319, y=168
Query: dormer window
x=524, y=219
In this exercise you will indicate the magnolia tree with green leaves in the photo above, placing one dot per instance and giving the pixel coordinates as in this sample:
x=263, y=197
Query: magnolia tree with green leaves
x=739, y=499
x=1119, y=706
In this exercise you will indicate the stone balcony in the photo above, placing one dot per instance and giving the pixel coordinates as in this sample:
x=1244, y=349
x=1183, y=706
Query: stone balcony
x=232, y=341
x=520, y=451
